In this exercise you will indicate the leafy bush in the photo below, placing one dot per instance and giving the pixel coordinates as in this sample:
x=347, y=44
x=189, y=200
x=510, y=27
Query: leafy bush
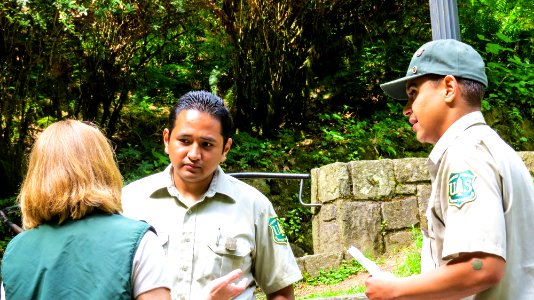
x=508, y=104
x=296, y=223
x=254, y=154
x=140, y=150
x=386, y=134
x=332, y=276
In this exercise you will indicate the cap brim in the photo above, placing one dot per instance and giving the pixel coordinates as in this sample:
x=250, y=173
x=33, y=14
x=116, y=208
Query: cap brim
x=397, y=88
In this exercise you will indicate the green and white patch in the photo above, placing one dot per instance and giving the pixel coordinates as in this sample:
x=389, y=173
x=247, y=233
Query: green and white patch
x=461, y=189
x=279, y=236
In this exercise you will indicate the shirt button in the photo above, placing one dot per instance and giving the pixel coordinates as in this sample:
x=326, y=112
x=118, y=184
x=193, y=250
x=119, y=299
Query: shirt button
x=189, y=212
x=184, y=268
x=186, y=240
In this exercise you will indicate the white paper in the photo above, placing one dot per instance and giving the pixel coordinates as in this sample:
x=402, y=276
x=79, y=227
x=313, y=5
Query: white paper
x=368, y=264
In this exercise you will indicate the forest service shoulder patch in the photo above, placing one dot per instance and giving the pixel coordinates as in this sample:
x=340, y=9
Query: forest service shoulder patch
x=461, y=189
x=279, y=236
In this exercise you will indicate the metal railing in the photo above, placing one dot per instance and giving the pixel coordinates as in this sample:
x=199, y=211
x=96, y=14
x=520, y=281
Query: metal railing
x=243, y=175
x=266, y=175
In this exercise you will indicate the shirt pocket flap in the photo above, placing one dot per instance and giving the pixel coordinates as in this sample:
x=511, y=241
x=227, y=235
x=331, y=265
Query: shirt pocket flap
x=227, y=256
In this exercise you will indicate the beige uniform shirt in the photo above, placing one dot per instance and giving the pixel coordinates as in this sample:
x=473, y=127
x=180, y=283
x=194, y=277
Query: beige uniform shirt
x=232, y=226
x=482, y=200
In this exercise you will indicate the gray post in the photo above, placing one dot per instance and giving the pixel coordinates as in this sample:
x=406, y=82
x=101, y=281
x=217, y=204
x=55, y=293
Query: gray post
x=444, y=19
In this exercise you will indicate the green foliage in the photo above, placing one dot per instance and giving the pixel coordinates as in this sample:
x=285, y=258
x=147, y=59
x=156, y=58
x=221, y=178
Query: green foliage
x=502, y=16
x=332, y=276
x=412, y=262
x=141, y=152
x=503, y=31
x=255, y=153
x=296, y=222
x=334, y=293
x=508, y=106
x=386, y=134
x=282, y=153
x=73, y=59
x=141, y=160
x=279, y=67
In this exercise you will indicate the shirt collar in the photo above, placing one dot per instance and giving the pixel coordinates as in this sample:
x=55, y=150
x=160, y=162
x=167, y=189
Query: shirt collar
x=219, y=184
x=453, y=132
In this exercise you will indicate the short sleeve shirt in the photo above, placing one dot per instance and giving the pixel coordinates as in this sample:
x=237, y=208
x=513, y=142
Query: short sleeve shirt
x=232, y=226
x=148, y=267
x=482, y=201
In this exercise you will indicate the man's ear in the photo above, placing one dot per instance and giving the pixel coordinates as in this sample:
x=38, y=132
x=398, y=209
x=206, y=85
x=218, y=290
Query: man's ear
x=226, y=148
x=166, y=137
x=451, y=88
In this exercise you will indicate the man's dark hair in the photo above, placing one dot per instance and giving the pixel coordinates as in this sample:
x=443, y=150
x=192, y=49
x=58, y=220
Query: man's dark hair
x=205, y=102
x=472, y=90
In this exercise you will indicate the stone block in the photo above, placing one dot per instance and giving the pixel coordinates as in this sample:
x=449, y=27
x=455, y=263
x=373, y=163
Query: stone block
x=397, y=240
x=410, y=170
x=333, y=182
x=326, y=237
x=405, y=189
x=301, y=263
x=372, y=179
x=313, y=264
x=400, y=213
x=423, y=194
x=528, y=159
x=360, y=227
x=328, y=212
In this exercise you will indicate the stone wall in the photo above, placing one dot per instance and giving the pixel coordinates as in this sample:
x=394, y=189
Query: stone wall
x=372, y=205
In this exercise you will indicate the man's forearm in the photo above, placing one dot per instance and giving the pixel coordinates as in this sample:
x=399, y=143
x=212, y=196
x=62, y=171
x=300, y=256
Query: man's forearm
x=470, y=275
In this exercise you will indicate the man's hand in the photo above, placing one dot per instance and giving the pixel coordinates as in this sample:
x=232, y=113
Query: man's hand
x=224, y=288
x=380, y=286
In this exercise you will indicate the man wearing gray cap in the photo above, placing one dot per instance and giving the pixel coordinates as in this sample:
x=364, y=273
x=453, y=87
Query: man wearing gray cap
x=477, y=244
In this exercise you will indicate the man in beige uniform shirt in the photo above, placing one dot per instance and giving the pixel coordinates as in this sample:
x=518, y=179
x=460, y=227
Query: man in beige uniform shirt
x=479, y=243
x=210, y=223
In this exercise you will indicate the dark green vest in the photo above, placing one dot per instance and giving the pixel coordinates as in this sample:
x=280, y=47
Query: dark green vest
x=83, y=259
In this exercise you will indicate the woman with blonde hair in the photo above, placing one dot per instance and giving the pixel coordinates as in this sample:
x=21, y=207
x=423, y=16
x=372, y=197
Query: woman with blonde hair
x=76, y=245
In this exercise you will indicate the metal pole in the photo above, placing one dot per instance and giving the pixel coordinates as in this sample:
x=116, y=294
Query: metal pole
x=278, y=176
x=444, y=19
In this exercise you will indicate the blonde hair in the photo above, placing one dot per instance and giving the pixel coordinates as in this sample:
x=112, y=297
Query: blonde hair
x=72, y=172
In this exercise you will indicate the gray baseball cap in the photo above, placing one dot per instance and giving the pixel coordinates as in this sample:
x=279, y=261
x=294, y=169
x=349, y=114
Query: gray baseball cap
x=441, y=57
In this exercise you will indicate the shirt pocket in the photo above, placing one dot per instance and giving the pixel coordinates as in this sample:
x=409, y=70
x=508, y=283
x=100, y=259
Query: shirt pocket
x=229, y=254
